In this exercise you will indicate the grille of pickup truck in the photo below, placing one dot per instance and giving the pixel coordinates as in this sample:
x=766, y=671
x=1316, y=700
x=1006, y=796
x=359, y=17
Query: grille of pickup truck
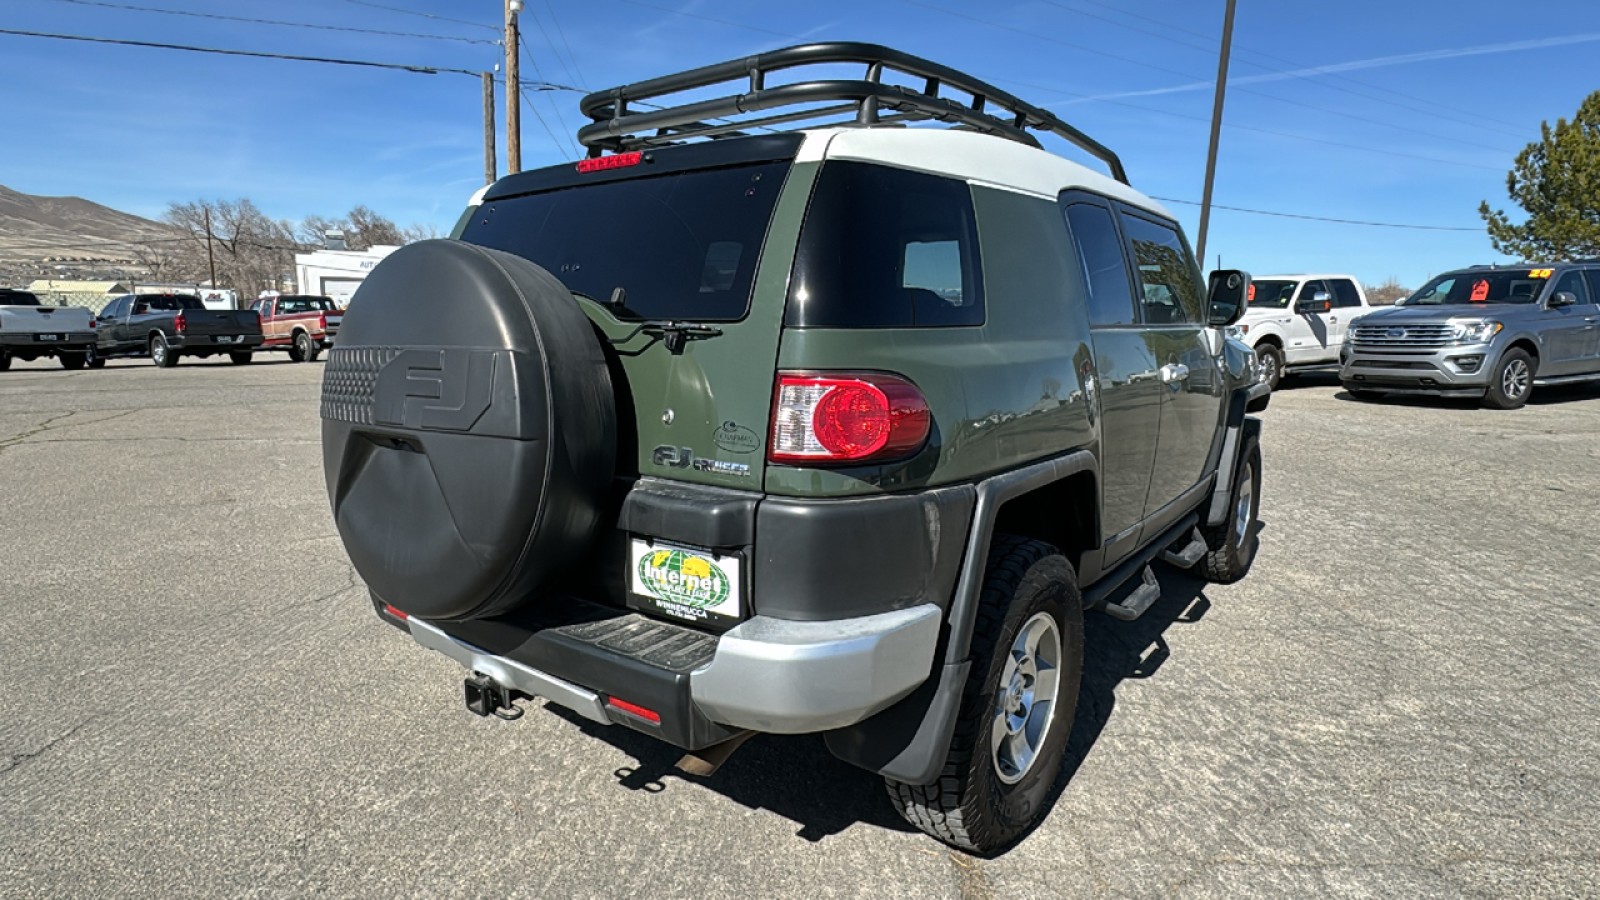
x=1411, y=336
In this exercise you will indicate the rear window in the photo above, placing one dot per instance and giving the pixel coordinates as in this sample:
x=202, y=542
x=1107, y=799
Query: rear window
x=886, y=248
x=170, y=301
x=681, y=246
x=287, y=305
x=18, y=298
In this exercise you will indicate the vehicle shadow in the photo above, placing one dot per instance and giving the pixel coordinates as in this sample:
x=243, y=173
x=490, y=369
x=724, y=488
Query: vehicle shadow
x=797, y=778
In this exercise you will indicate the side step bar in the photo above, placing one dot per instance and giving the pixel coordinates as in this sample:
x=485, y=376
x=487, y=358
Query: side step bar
x=1134, y=605
x=1189, y=555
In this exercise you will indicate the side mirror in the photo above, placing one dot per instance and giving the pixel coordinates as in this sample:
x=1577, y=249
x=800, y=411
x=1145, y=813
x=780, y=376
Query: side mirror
x=1227, y=293
x=1320, y=302
x=1563, y=298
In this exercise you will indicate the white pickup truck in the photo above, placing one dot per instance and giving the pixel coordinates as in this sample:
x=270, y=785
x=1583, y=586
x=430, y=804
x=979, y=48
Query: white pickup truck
x=29, y=330
x=1297, y=322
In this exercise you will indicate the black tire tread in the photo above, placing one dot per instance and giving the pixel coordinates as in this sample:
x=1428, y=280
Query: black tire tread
x=1220, y=565
x=943, y=809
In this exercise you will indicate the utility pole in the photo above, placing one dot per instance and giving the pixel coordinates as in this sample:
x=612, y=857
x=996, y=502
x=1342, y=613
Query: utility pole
x=489, y=162
x=1216, y=128
x=513, y=92
x=211, y=261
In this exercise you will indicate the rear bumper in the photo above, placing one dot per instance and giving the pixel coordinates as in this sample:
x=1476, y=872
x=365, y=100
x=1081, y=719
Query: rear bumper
x=195, y=342
x=768, y=675
x=28, y=342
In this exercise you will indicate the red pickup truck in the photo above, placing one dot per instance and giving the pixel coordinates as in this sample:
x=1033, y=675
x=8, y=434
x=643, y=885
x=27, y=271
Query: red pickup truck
x=302, y=324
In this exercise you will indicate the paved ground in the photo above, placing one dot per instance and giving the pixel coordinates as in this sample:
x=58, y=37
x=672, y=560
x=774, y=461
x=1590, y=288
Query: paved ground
x=196, y=699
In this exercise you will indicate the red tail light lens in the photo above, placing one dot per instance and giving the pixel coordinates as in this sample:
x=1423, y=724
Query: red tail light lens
x=649, y=715
x=322, y=321
x=614, y=161
x=846, y=417
x=179, y=323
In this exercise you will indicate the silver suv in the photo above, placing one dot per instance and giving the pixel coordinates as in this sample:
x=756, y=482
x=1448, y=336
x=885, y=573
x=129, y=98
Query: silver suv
x=1487, y=332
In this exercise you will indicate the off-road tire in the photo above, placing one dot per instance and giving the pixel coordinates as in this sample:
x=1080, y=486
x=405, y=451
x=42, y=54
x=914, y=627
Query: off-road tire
x=1499, y=395
x=300, y=348
x=71, y=361
x=241, y=359
x=160, y=353
x=1271, y=359
x=969, y=806
x=1232, y=550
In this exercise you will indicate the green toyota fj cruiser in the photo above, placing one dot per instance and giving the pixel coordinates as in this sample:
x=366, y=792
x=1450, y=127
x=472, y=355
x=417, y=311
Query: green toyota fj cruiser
x=727, y=430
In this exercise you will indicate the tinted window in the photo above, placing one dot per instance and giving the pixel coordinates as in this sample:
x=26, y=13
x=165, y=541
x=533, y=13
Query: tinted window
x=1344, y=293
x=287, y=305
x=1168, y=278
x=1104, y=267
x=886, y=248
x=1481, y=286
x=1594, y=283
x=1573, y=282
x=18, y=298
x=684, y=246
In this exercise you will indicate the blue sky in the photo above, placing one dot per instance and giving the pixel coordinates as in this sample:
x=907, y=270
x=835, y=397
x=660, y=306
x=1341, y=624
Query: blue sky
x=1389, y=112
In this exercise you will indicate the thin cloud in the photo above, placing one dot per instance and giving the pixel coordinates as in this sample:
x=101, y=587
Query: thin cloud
x=1358, y=65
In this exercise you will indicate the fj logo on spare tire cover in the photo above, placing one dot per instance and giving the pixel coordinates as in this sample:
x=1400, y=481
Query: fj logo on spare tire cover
x=436, y=390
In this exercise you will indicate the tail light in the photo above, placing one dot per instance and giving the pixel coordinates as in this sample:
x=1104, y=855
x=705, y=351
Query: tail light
x=846, y=417
x=322, y=321
x=180, y=324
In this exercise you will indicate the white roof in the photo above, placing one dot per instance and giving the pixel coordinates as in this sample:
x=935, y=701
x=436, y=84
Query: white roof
x=973, y=157
x=1304, y=277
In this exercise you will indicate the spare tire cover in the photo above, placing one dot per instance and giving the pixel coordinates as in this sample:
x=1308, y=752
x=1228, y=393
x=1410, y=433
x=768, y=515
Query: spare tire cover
x=468, y=430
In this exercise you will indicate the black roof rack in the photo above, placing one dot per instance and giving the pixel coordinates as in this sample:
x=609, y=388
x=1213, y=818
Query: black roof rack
x=617, y=127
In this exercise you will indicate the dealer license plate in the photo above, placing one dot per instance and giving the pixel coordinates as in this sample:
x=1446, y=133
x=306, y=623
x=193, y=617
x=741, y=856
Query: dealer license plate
x=49, y=337
x=224, y=339
x=694, y=585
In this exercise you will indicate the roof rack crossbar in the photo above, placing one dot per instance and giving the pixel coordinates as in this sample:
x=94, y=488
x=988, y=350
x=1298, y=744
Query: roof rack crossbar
x=616, y=127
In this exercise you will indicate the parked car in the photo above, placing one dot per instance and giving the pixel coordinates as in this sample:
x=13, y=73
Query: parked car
x=302, y=324
x=30, y=330
x=1297, y=323
x=848, y=446
x=166, y=327
x=1490, y=332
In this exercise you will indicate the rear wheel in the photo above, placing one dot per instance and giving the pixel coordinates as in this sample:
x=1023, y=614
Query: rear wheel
x=93, y=359
x=240, y=359
x=5, y=360
x=1512, y=382
x=300, y=350
x=71, y=360
x=161, y=354
x=1017, y=707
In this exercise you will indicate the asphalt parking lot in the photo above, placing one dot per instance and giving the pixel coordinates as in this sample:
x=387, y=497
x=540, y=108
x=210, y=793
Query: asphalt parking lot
x=195, y=698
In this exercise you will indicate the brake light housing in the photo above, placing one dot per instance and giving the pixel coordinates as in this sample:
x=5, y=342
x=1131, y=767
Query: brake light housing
x=614, y=161
x=821, y=418
x=179, y=323
x=322, y=321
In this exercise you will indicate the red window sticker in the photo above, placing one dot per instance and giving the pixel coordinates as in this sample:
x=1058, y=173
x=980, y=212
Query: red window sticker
x=1250, y=294
x=1480, y=291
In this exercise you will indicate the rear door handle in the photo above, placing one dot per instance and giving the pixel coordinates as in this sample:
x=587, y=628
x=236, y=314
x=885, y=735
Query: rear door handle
x=1174, y=372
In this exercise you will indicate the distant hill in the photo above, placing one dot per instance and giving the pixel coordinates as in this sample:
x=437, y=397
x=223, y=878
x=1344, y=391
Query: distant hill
x=35, y=228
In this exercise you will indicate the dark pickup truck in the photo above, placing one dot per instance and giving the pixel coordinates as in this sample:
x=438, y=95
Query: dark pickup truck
x=166, y=327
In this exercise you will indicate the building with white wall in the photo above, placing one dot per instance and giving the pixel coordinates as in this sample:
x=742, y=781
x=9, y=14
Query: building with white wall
x=336, y=273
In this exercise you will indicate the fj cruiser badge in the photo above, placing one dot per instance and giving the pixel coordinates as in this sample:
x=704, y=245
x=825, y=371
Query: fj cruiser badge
x=683, y=458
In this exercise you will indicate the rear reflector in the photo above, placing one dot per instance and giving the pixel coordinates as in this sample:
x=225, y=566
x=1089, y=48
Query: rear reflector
x=615, y=161
x=648, y=715
x=394, y=612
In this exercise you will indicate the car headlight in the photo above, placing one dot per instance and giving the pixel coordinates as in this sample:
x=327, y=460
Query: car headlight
x=1475, y=332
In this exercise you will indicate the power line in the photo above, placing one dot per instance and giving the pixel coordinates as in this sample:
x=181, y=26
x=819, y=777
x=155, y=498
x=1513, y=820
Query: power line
x=1477, y=120
x=1285, y=215
x=523, y=46
x=279, y=22
x=577, y=74
x=420, y=70
x=424, y=15
x=554, y=51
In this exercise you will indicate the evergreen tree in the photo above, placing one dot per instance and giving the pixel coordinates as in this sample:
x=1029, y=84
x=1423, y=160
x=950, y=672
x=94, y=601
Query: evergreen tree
x=1556, y=181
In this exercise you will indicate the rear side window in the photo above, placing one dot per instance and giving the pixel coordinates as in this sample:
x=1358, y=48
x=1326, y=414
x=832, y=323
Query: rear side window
x=886, y=248
x=681, y=246
x=1344, y=293
x=1104, y=267
x=1168, y=278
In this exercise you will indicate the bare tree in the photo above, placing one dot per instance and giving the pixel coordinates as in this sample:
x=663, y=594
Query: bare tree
x=1388, y=293
x=248, y=249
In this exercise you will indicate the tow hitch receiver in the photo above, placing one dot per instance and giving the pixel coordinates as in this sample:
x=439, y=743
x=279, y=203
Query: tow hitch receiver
x=484, y=696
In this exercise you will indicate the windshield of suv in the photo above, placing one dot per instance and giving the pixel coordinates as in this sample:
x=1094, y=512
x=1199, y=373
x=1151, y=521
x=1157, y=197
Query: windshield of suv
x=681, y=246
x=1271, y=294
x=1481, y=286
